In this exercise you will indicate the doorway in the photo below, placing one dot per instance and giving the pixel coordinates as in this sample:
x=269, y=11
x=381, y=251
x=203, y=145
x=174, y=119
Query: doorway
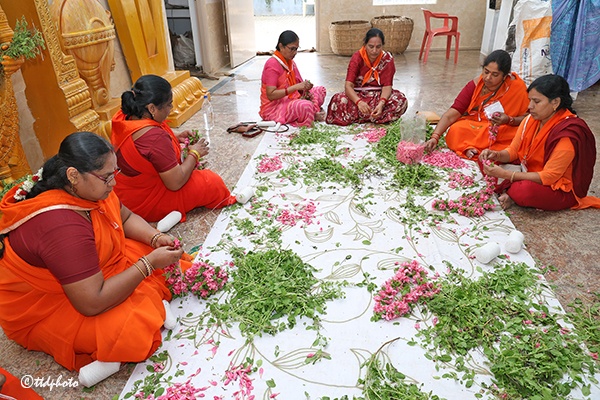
x=271, y=17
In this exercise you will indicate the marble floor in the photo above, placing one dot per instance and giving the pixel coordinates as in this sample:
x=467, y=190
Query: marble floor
x=567, y=240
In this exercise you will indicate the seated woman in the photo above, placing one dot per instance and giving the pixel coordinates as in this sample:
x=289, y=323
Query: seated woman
x=81, y=275
x=284, y=96
x=487, y=112
x=368, y=95
x=154, y=179
x=555, y=149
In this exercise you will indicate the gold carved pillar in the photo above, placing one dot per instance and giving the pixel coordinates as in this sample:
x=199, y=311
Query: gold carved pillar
x=13, y=163
x=87, y=33
x=59, y=100
x=141, y=28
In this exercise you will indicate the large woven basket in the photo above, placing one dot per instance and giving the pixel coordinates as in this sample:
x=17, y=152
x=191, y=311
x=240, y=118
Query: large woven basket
x=346, y=37
x=397, y=31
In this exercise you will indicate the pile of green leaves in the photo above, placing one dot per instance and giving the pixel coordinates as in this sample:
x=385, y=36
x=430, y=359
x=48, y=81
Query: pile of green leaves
x=324, y=135
x=270, y=290
x=530, y=354
x=25, y=42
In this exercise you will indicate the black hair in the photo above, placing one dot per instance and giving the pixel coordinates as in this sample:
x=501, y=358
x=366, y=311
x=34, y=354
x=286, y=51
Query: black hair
x=286, y=38
x=374, y=32
x=553, y=87
x=147, y=89
x=500, y=57
x=85, y=151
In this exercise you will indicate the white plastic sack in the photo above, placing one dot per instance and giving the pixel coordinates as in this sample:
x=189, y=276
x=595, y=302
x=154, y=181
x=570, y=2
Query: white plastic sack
x=183, y=52
x=532, y=20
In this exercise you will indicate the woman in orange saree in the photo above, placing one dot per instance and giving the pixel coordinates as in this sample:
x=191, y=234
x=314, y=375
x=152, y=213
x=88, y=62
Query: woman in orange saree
x=487, y=112
x=154, y=178
x=556, y=152
x=81, y=275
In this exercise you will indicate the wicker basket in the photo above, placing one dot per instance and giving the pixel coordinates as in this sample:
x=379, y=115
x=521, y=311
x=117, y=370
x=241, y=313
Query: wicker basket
x=397, y=31
x=346, y=37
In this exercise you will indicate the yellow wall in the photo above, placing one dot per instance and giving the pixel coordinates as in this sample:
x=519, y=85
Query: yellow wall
x=471, y=18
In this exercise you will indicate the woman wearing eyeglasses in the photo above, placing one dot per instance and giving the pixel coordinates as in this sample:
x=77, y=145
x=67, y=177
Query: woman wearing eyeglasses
x=284, y=96
x=154, y=180
x=368, y=94
x=81, y=275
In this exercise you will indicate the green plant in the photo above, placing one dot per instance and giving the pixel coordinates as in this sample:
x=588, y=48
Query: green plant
x=26, y=42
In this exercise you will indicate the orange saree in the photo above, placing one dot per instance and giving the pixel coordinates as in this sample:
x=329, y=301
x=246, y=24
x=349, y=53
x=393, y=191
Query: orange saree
x=471, y=131
x=35, y=312
x=562, y=151
x=146, y=194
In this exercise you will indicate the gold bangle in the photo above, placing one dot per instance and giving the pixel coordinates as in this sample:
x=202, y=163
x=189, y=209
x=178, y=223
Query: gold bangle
x=147, y=264
x=195, y=154
x=512, y=177
x=139, y=269
x=155, y=239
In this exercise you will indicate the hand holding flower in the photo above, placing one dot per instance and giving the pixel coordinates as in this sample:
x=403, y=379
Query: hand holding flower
x=164, y=256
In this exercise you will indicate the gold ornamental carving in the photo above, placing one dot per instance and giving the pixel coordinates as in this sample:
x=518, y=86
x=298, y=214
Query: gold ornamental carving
x=13, y=163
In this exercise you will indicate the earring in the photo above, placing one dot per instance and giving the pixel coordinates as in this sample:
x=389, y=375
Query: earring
x=73, y=189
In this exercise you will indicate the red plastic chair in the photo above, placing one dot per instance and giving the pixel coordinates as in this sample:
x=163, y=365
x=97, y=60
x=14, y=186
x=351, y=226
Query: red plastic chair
x=445, y=30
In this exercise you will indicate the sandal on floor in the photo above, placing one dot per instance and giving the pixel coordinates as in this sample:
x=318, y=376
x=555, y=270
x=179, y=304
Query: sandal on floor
x=247, y=129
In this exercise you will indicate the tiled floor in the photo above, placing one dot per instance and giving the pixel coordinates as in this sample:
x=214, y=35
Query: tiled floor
x=568, y=240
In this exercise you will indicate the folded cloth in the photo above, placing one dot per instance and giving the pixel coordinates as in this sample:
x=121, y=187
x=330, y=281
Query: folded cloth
x=11, y=387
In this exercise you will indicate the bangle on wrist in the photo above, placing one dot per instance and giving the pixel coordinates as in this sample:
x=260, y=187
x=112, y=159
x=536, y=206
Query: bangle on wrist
x=155, y=239
x=135, y=264
x=383, y=100
x=148, y=265
x=512, y=177
x=286, y=91
x=358, y=101
x=511, y=120
x=195, y=154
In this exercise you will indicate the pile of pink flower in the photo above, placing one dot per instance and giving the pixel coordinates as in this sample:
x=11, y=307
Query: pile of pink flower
x=201, y=279
x=269, y=164
x=444, y=159
x=471, y=204
x=409, y=153
x=460, y=180
x=398, y=295
x=373, y=135
x=302, y=212
x=240, y=374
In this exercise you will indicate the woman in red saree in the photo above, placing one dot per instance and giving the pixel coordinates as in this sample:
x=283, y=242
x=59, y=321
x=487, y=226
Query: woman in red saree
x=487, y=112
x=368, y=94
x=556, y=151
x=154, y=179
x=284, y=96
x=80, y=274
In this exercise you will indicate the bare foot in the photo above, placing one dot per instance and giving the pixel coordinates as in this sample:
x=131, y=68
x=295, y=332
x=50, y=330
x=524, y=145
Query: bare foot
x=505, y=201
x=320, y=116
x=470, y=153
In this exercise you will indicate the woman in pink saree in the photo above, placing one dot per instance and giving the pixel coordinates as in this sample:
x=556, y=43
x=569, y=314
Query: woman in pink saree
x=284, y=96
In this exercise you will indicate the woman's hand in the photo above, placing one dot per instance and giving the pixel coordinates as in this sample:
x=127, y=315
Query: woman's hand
x=488, y=154
x=363, y=107
x=164, y=240
x=201, y=147
x=492, y=169
x=378, y=111
x=499, y=119
x=184, y=135
x=164, y=256
x=430, y=145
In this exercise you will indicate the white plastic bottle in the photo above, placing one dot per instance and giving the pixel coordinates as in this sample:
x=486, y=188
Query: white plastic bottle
x=208, y=119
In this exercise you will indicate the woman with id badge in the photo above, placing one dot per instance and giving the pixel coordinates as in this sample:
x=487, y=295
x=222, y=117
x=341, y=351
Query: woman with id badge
x=487, y=112
x=556, y=151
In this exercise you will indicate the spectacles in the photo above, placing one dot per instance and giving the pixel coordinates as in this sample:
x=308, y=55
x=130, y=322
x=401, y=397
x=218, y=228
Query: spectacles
x=292, y=49
x=107, y=180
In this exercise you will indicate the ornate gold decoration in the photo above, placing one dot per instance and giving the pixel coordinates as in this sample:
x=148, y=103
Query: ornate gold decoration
x=13, y=163
x=140, y=24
